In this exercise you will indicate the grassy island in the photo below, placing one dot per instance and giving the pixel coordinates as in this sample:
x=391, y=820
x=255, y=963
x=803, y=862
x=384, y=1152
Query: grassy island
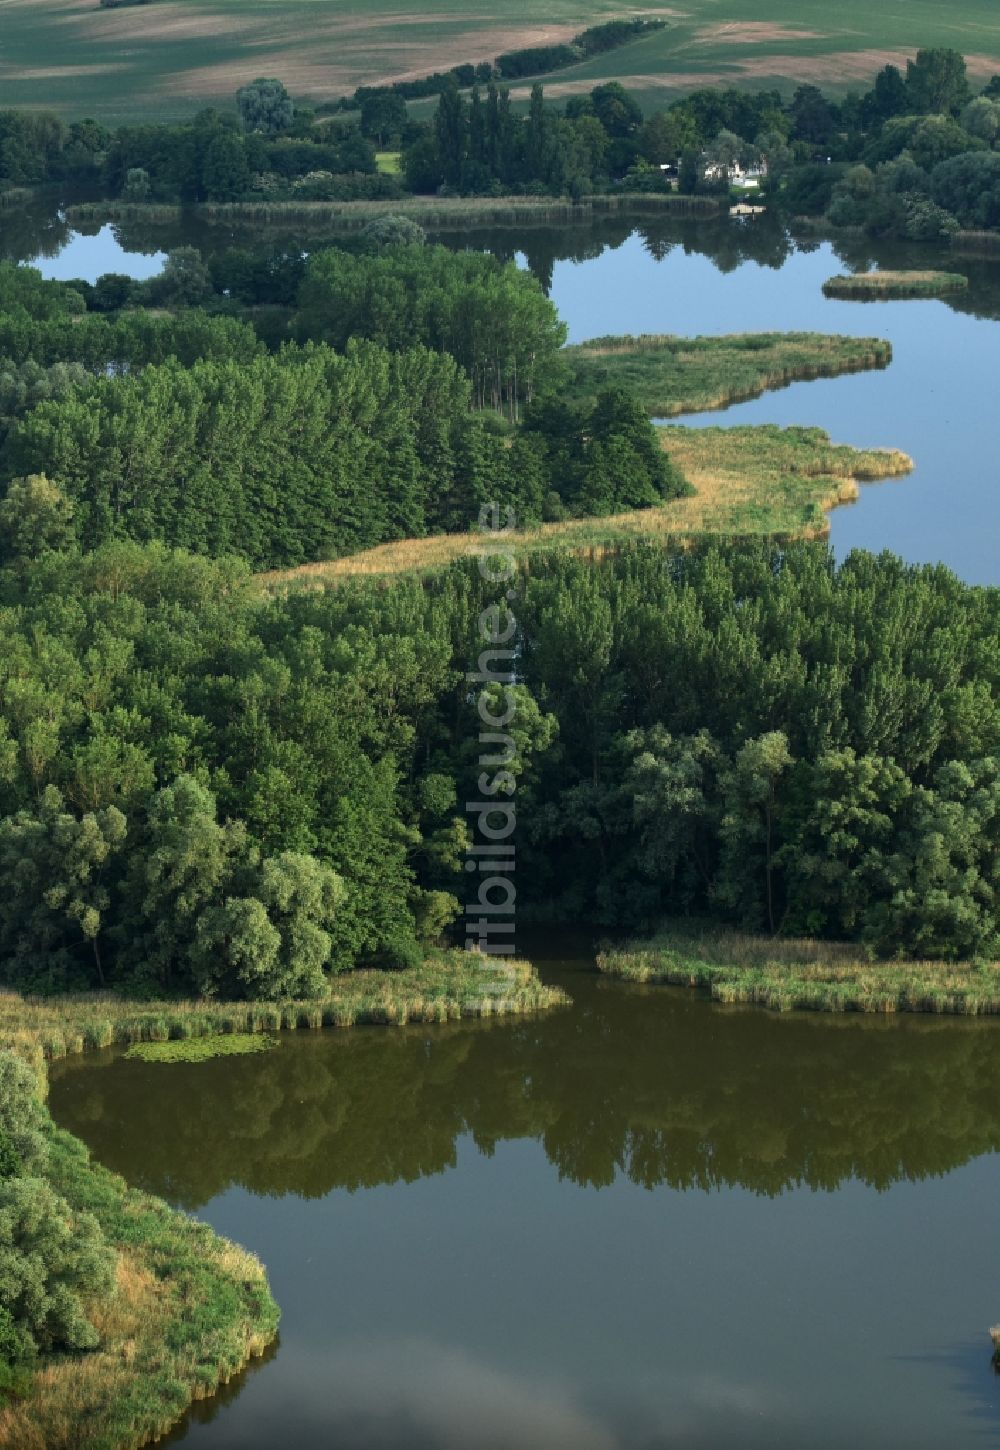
x=750, y=481
x=890, y=286
x=788, y=974
x=672, y=375
x=190, y=1308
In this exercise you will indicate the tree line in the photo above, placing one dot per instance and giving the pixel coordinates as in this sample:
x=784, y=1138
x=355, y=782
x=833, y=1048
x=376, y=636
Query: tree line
x=914, y=156
x=264, y=147
x=387, y=103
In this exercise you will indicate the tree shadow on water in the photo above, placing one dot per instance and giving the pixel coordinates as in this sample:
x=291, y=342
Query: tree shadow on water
x=974, y=1376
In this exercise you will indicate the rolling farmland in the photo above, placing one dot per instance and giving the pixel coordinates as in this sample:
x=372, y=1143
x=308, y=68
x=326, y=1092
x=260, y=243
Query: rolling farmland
x=169, y=58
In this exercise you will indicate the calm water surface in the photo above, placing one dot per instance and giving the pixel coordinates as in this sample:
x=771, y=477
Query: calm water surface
x=641, y=1221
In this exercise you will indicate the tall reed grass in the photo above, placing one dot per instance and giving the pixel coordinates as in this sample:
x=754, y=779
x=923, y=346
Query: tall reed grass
x=674, y=375
x=347, y=216
x=450, y=985
x=801, y=974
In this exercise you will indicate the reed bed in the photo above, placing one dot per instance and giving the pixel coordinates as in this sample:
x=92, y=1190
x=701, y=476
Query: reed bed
x=747, y=481
x=193, y=1309
x=887, y=286
x=347, y=216
x=673, y=375
x=125, y=211
x=976, y=243
x=801, y=974
x=448, y=986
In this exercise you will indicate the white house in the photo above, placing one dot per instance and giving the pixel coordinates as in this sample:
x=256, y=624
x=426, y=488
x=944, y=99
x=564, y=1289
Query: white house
x=746, y=178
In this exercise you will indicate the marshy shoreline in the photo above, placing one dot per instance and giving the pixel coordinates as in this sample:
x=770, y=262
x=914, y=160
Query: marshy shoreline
x=800, y=974
x=428, y=211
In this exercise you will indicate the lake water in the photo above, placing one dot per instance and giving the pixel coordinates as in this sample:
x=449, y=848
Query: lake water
x=642, y=1221
x=938, y=400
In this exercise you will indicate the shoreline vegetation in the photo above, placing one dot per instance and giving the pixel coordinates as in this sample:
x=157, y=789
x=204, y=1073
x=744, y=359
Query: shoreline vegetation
x=444, y=989
x=193, y=1309
x=889, y=286
x=755, y=480
x=673, y=375
x=800, y=974
x=428, y=211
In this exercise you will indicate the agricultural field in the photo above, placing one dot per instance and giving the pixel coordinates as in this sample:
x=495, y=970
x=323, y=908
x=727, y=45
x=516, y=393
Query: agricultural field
x=169, y=58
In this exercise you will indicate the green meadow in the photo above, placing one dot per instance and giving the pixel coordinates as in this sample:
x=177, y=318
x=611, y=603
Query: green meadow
x=169, y=58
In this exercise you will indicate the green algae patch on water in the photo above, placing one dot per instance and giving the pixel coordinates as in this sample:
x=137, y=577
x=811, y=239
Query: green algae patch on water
x=889, y=286
x=200, y=1049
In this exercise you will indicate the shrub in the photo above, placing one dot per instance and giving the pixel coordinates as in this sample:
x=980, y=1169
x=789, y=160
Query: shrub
x=48, y=1258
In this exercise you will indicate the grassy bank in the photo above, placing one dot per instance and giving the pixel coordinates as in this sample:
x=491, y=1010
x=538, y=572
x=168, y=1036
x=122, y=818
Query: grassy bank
x=193, y=1309
x=672, y=375
x=746, y=481
x=429, y=211
x=789, y=974
x=190, y=1311
x=887, y=286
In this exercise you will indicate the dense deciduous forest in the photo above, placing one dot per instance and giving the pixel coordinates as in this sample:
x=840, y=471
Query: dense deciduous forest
x=183, y=428
x=208, y=789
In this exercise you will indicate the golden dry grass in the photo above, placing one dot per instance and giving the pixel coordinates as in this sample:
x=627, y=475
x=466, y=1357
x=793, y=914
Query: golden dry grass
x=70, y=1388
x=750, y=32
x=763, y=480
